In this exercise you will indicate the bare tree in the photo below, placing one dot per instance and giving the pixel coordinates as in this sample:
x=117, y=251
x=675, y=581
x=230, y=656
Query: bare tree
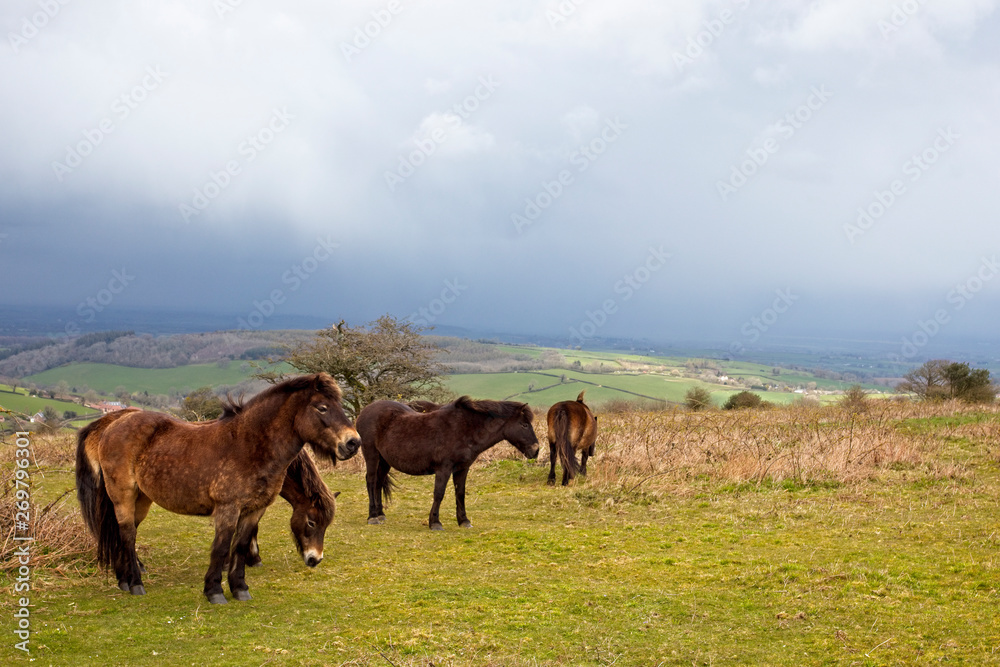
x=387, y=358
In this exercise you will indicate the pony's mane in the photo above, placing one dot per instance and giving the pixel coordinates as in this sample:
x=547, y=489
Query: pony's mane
x=320, y=382
x=313, y=485
x=499, y=409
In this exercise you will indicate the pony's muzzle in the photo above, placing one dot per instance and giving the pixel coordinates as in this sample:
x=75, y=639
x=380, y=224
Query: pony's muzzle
x=349, y=447
x=312, y=558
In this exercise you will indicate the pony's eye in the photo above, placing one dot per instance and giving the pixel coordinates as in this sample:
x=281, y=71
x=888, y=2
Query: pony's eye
x=310, y=523
x=321, y=408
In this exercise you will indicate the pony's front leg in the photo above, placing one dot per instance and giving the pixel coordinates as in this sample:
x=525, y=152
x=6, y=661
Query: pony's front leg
x=459, y=477
x=440, y=484
x=253, y=555
x=245, y=531
x=226, y=518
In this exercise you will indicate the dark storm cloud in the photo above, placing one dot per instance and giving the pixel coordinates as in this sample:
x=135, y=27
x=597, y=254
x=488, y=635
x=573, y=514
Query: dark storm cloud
x=526, y=156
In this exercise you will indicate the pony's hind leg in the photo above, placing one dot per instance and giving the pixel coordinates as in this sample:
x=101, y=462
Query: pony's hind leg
x=245, y=531
x=552, y=463
x=458, y=478
x=125, y=561
x=584, y=455
x=226, y=518
x=377, y=480
x=142, y=505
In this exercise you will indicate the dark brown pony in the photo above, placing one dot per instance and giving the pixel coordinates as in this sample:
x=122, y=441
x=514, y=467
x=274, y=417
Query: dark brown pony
x=313, y=506
x=572, y=427
x=231, y=469
x=444, y=443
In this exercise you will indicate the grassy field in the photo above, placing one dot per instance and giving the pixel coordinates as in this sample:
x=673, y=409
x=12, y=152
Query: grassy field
x=781, y=537
x=20, y=402
x=105, y=378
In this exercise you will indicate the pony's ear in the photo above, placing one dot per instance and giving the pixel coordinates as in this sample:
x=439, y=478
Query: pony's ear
x=336, y=493
x=579, y=399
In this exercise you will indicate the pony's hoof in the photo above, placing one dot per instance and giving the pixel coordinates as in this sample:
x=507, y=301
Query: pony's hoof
x=436, y=526
x=137, y=590
x=376, y=520
x=466, y=524
x=123, y=585
x=551, y=482
x=242, y=596
x=217, y=598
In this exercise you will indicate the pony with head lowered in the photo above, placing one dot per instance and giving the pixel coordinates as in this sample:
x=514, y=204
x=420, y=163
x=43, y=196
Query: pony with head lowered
x=231, y=469
x=442, y=442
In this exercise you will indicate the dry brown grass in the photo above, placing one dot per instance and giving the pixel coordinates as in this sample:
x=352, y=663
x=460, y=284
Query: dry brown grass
x=653, y=452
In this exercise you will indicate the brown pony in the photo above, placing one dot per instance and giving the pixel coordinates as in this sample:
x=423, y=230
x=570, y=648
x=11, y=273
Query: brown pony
x=231, y=469
x=313, y=506
x=572, y=427
x=444, y=443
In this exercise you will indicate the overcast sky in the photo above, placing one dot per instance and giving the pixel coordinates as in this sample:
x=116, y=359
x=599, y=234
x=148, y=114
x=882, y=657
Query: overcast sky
x=663, y=170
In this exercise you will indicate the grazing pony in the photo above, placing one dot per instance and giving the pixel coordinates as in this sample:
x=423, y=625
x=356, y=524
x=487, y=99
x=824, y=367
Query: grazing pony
x=572, y=427
x=313, y=506
x=231, y=469
x=443, y=442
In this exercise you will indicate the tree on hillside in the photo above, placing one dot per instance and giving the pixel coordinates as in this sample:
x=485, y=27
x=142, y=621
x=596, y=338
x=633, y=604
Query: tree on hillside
x=387, y=358
x=201, y=405
x=855, y=400
x=743, y=400
x=927, y=382
x=940, y=379
x=697, y=399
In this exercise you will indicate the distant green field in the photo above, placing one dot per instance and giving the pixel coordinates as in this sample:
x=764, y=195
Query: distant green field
x=28, y=405
x=599, y=387
x=105, y=378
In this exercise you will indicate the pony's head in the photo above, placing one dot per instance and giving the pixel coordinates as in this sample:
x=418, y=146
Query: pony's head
x=320, y=419
x=309, y=524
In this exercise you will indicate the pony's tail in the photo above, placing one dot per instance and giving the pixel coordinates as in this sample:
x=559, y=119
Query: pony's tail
x=95, y=505
x=386, y=484
x=564, y=444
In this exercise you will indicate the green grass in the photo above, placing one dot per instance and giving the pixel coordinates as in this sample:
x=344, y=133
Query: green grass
x=21, y=403
x=599, y=387
x=106, y=377
x=897, y=570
